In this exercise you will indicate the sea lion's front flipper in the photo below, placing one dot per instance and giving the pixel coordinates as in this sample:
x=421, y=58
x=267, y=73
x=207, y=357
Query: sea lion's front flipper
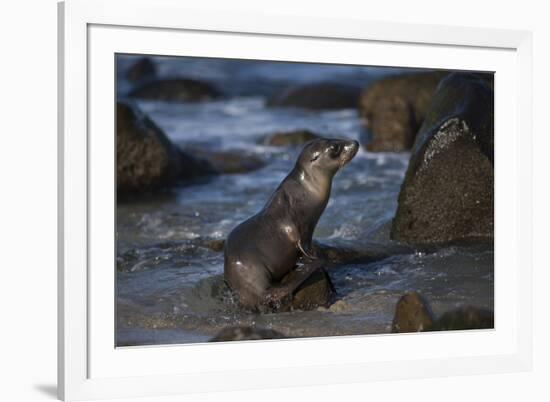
x=276, y=296
x=303, y=250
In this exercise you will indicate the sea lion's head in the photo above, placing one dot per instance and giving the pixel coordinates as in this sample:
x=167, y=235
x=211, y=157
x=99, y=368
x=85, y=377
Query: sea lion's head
x=326, y=155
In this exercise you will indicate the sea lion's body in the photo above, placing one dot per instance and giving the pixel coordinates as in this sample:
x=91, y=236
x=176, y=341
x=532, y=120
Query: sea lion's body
x=263, y=249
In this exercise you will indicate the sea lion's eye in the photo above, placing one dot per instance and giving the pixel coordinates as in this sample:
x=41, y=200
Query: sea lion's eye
x=315, y=156
x=335, y=150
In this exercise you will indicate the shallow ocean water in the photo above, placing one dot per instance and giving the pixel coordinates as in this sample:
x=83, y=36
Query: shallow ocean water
x=170, y=283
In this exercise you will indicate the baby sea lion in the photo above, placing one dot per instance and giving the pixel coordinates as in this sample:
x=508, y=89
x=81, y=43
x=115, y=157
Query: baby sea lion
x=263, y=249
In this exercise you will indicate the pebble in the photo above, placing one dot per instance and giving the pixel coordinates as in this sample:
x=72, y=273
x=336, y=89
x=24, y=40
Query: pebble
x=339, y=306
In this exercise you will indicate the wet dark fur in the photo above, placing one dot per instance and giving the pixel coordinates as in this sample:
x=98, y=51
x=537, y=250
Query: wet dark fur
x=263, y=249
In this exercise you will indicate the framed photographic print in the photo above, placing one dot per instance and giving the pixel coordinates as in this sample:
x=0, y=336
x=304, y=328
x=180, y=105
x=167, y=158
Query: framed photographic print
x=249, y=200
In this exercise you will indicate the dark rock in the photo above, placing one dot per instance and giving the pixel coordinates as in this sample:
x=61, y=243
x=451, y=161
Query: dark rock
x=412, y=314
x=234, y=162
x=215, y=245
x=290, y=138
x=142, y=69
x=336, y=254
x=146, y=159
x=447, y=195
x=176, y=90
x=316, y=291
x=393, y=109
x=228, y=162
x=245, y=334
x=367, y=253
x=318, y=96
x=465, y=318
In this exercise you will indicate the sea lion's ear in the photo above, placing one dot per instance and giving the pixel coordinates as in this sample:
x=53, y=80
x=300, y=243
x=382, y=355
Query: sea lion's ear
x=315, y=156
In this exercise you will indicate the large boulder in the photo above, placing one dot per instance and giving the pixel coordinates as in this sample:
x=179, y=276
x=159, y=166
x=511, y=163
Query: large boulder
x=393, y=109
x=142, y=69
x=447, y=194
x=176, y=90
x=317, y=96
x=146, y=159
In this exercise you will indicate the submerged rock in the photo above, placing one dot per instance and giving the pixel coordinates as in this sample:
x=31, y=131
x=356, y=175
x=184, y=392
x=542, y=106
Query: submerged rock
x=290, y=138
x=336, y=254
x=216, y=245
x=414, y=314
x=146, y=159
x=246, y=334
x=366, y=253
x=448, y=193
x=318, y=96
x=176, y=90
x=229, y=162
x=393, y=109
x=142, y=69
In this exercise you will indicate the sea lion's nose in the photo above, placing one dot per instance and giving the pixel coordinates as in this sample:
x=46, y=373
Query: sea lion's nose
x=351, y=146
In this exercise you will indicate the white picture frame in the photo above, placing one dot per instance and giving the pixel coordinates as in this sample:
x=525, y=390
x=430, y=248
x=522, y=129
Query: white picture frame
x=90, y=367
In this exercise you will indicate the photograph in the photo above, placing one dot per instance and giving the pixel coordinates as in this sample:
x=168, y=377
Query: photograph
x=267, y=199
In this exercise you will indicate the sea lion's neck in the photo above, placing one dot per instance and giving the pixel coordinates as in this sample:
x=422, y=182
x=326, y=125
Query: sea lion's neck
x=306, y=194
x=318, y=185
x=301, y=194
x=298, y=203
